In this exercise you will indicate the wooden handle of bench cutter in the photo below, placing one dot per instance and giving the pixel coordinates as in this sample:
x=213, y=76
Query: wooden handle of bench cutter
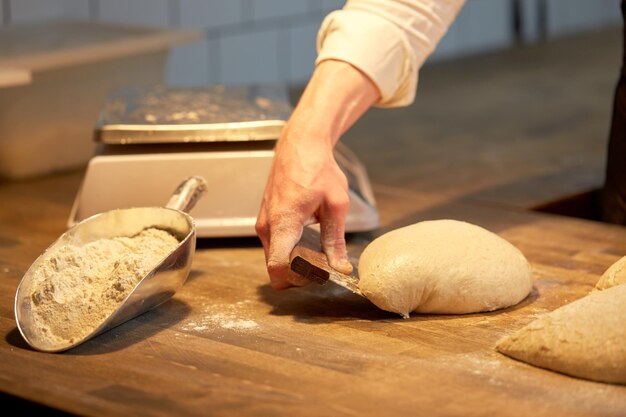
x=307, y=258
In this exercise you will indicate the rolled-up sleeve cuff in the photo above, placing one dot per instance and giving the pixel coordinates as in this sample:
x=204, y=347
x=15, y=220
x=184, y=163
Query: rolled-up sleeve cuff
x=376, y=47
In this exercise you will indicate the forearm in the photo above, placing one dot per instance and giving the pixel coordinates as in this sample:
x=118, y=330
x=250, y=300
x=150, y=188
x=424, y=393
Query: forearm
x=335, y=97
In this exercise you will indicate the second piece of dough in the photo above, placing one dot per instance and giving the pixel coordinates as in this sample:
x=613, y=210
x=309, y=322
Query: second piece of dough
x=585, y=338
x=614, y=275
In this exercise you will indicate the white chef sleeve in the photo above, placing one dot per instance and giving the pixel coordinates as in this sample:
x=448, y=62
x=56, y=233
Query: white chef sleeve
x=388, y=40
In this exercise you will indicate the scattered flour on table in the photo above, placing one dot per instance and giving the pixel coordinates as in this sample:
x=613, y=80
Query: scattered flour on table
x=488, y=368
x=77, y=287
x=224, y=316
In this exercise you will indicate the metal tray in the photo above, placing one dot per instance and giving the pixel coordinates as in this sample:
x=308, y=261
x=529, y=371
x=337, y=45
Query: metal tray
x=218, y=113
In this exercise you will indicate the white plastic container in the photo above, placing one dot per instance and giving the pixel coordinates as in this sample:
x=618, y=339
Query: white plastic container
x=54, y=79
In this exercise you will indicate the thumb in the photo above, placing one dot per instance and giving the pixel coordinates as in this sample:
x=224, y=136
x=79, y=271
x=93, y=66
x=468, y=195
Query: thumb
x=281, y=244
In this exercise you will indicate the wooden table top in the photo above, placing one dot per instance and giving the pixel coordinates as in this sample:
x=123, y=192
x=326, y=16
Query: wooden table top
x=227, y=344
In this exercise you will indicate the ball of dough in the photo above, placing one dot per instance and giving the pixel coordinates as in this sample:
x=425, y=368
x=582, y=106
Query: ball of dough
x=585, y=338
x=443, y=266
x=614, y=275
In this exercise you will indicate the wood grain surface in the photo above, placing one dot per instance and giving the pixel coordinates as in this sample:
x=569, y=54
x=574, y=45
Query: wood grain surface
x=228, y=345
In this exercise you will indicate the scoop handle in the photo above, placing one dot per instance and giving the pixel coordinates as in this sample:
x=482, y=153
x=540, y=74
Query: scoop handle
x=187, y=193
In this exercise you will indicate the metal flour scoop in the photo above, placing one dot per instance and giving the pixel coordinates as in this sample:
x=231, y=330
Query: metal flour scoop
x=156, y=287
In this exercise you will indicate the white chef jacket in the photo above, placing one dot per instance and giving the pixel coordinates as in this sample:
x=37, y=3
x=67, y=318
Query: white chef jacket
x=388, y=40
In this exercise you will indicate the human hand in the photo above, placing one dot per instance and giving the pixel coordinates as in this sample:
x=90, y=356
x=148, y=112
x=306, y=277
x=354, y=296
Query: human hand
x=305, y=185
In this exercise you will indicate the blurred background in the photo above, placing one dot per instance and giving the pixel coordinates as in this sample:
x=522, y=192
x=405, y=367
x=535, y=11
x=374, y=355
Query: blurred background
x=539, y=67
x=251, y=41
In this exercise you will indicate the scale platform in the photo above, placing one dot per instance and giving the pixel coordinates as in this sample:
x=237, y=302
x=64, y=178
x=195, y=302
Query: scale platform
x=149, y=139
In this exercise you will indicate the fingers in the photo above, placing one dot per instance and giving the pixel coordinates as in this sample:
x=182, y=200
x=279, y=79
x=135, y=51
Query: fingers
x=263, y=231
x=278, y=241
x=332, y=231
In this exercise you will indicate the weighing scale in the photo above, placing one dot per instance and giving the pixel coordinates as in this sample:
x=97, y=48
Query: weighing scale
x=150, y=138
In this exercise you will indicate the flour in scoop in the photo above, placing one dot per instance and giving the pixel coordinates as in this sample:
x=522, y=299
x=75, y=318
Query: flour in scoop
x=78, y=287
